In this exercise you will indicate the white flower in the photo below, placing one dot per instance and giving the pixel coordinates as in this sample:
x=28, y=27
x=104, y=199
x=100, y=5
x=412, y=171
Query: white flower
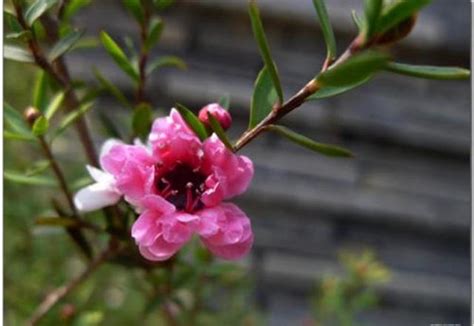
x=103, y=192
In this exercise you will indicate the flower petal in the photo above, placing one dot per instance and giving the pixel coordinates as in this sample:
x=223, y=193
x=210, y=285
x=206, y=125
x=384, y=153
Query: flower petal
x=158, y=204
x=95, y=196
x=100, y=176
x=226, y=231
x=233, y=172
x=162, y=249
x=172, y=141
x=118, y=155
x=145, y=228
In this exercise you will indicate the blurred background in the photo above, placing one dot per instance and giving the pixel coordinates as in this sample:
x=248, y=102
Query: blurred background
x=405, y=195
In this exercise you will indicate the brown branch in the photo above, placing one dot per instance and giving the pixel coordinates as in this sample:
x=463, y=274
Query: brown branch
x=55, y=296
x=279, y=111
x=59, y=72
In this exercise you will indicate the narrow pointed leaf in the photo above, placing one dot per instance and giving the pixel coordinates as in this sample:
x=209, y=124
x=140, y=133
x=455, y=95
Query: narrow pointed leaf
x=141, y=120
x=329, y=150
x=155, y=30
x=20, y=36
x=15, y=120
x=109, y=126
x=12, y=22
x=397, y=12
x=326, y=28
x=22, y=179
x=217, y=128
x=54, y=105
x=163, y=4
x=58, y=221
x=15, y=53
x=17, y=136
x=165, y=61
x=72, y=117
x=224, y=101
x=85, y=43
x=73, y=6
x=262, y=42
x=40, y=127
x=329, y=91
x=372, y=10
x=263, y=99
x=354, y=69
x=65, y=44
x=36, y=9
x=136, y=9
x=357, y=21
x=192, y=121
x=428, y=72
x=40, y=91
x=38, y=167
x=112, y=89
x=118, y=55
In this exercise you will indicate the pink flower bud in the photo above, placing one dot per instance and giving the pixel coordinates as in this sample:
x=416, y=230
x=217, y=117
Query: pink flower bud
x=218, y=112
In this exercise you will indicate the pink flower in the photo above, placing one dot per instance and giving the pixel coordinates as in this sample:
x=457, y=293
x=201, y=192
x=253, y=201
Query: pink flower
x=179, y=183
x=218, y=112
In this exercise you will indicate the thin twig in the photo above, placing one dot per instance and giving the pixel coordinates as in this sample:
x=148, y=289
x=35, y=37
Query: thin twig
x=142, y=62
x=279, y=111
x=53, y=297
x=59, y=72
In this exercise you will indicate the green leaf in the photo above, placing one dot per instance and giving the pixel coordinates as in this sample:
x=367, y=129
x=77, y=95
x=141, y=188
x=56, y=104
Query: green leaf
x=192, y=121
x=397, y=12
x=263, y=99
x=155, y=30
x=54, y=105
x=428, y=72
x=224, y=101
x=118, y=55
x=111, y=88
x=329, y=91
x=19, y=177
x=12, y=22
x=17, y=136
x=72, y=117
x=357, y=21
x=65, y=44
x=163, y=4
x=165, y=61
x=58, y=221
x=109, y=126
x=38, y=167
x=19, y=36
x=261, y=39
x=40, y=91
x=136, y=9
x=329, y=150
x=15, y=53
x=73, y=6
x=86, y=42
x=141, y=120
x=15, y=120
x=38, y=8
x=217, y=128
x=326, y=28
x=354, y=69
x=80, y=183
x=372, y=10
x=40, y=127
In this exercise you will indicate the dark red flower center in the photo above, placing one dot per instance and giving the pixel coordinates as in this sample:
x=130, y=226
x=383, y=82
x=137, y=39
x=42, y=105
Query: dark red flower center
x=182, y=186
